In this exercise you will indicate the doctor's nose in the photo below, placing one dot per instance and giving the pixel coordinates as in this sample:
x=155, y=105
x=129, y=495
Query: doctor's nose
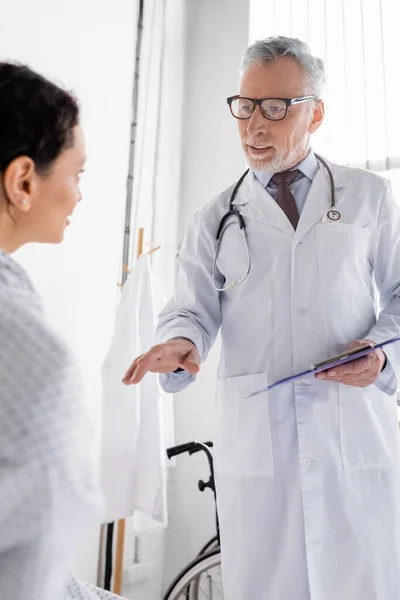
x=257, y=124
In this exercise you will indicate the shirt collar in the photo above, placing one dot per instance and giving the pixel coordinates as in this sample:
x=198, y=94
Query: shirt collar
x=308, y=167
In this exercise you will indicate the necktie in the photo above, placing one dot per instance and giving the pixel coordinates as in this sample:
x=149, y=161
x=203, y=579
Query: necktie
x=285, y=197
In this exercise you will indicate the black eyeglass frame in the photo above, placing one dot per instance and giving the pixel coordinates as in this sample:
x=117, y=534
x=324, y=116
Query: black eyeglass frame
x=288, y=102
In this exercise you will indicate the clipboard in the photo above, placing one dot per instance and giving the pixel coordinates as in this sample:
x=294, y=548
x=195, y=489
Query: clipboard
x=334, y=361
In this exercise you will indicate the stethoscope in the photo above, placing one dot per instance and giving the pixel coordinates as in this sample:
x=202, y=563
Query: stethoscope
x=332, y=215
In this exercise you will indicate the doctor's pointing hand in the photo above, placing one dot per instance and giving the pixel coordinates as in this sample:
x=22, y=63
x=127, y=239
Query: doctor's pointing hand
x=177, y=354
x=290, y=264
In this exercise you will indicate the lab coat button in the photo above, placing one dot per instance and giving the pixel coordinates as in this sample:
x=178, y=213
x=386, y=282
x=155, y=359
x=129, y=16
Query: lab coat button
x=306, y=462
x=301, y=311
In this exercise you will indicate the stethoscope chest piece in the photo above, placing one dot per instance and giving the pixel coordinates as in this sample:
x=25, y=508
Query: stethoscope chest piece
x=334, y=215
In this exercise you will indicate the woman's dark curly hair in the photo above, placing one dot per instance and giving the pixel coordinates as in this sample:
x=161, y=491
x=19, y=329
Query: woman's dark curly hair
x=37, y=117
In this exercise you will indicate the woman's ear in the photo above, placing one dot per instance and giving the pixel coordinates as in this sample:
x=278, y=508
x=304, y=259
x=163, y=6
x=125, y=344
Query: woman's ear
x=20, y=183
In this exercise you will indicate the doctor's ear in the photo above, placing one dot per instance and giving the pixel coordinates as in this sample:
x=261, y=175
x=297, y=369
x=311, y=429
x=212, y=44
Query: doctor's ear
x=317, y=116
x=20, y=182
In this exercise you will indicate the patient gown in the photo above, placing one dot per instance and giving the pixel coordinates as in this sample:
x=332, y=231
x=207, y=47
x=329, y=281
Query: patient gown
x=49, y=494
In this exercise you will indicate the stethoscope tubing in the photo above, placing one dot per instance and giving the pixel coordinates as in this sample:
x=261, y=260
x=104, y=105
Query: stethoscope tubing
x=333, y=215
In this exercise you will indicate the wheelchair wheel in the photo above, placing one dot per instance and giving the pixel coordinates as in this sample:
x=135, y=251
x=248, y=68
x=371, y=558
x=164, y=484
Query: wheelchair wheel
x=212, y=544
x=200, y=580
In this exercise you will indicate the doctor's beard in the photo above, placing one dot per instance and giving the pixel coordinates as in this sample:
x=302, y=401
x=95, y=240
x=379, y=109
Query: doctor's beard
x=276, y=159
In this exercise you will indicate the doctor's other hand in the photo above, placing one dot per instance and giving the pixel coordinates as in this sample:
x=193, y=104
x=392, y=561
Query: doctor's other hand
x=358, y=373
x=164, y=358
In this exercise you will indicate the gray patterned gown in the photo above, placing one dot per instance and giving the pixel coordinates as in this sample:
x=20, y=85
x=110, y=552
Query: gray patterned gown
x=48, y=491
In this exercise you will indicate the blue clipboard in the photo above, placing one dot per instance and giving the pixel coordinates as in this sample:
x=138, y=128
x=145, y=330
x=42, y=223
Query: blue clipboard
x=335, y=361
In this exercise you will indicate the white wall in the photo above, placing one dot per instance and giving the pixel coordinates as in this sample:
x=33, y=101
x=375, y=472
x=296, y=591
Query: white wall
x=216, y=37
x=88, y=47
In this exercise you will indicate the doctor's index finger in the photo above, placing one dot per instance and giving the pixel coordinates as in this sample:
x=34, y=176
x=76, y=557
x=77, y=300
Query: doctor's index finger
x=144, y=361
x=158, y=355
x=129, y=372
x=142, y=365
x=129, y=375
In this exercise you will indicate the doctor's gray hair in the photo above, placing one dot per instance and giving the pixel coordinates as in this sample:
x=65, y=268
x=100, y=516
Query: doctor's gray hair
x=270, y=49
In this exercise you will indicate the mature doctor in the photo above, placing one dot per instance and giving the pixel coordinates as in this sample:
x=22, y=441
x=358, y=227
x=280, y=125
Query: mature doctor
x=307, y=475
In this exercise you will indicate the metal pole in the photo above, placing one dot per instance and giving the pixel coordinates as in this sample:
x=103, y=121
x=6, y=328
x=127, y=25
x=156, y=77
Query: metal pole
x=135, y=102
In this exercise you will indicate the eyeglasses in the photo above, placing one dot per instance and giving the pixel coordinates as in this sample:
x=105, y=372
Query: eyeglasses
x=273, y=109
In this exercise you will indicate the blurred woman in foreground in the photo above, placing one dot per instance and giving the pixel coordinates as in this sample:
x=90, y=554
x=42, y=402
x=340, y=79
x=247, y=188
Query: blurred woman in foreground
x=49, y=495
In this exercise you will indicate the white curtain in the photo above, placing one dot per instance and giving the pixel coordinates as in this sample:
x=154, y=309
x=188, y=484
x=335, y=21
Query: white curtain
x=158, y=144
x=155, y=204
x=358, y=40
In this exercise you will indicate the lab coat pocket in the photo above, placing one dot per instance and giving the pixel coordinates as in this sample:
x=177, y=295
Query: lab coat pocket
x=369, y=431
x=243, y=444
x=343, y=252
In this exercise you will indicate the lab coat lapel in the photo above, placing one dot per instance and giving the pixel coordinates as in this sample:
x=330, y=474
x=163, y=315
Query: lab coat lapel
x=253, y=201
x=318, y=201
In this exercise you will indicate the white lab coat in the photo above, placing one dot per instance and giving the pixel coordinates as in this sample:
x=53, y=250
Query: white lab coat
x=307, y=475
x=132, y=465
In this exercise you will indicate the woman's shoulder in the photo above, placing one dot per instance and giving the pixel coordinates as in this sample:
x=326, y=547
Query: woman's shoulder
x=33, y=355
x=41, y=392
x=18, y=297
x=23, y=323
